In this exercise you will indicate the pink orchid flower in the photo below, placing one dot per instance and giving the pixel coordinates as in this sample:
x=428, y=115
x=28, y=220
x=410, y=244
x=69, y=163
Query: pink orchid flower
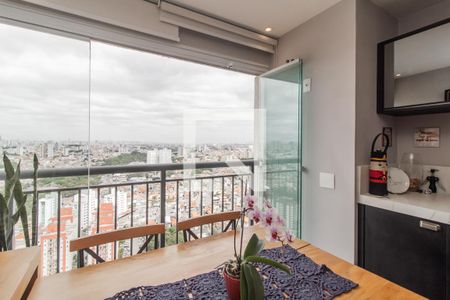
x=280, y=221
x=249, y=202
x=274, y=224
x=275, y=233
x=268, y=217
x=255, y=215
x=289, y=236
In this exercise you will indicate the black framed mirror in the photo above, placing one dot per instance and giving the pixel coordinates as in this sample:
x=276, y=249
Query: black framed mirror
x=414, y=72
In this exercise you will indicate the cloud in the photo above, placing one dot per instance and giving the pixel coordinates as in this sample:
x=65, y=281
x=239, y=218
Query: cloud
x=135, y=96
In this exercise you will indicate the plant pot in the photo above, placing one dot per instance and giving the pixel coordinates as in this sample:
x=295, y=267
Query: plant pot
x=233, y=286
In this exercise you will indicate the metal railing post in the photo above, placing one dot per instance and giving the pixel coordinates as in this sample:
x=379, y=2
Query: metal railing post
x=115, y=221
x=252, y=179
x=58, y=233
x=163, y=205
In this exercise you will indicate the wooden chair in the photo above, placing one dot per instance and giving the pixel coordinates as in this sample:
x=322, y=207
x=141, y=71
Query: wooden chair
x=187, y=225
x=85, y=243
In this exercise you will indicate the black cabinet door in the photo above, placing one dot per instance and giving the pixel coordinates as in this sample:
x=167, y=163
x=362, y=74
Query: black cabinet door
x=447, y=290
x=397, y=248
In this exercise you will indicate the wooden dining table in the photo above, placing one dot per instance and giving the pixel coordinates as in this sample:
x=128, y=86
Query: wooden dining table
x=185, y=260
x=18, y=272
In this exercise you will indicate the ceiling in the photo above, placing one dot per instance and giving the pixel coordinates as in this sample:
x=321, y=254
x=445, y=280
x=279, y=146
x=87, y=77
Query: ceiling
x=280, y=15
x=401, y=8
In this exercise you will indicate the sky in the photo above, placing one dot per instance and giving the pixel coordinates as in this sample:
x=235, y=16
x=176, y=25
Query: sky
x=46, y=94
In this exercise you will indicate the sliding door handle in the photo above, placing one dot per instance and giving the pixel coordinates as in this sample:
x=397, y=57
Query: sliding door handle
x=429, y=225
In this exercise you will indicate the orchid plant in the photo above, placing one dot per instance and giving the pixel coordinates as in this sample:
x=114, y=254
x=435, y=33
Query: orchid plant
x=242, y=266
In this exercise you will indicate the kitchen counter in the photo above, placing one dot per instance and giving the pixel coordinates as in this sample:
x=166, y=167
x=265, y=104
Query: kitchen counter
x=435, y=207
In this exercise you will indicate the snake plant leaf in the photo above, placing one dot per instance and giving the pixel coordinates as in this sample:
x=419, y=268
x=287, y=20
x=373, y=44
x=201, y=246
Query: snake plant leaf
x=243, y=285
x=20, y=210
x=9, y=169
x=4, y=211
x=21, y=200
x=20, y=213
x=256, y=281
x=3, y=216
x=249, y=281
x=254, y=246
x=267, y=261
x=14, y=191
x=35, y=163
x=11, y=179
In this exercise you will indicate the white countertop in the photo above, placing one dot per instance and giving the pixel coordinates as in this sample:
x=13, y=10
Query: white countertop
x=434, y=207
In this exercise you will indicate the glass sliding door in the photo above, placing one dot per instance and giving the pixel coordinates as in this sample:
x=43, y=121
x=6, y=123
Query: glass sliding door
x=279, y=141
x=44, y=110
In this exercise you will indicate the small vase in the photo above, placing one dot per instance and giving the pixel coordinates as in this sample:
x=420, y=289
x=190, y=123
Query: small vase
x=233, y=286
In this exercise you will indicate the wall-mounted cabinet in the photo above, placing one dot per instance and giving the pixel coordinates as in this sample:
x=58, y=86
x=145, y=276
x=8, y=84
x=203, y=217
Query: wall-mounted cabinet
x=414, y=72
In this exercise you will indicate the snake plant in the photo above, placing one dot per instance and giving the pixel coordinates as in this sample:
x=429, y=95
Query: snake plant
x=14, y=192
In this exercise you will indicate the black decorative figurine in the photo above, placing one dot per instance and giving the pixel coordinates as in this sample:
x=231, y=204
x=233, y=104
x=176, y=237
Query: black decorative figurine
x=433, y=180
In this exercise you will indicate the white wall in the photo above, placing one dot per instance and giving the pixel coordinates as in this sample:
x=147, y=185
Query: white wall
x=431, y=14
x=326, y=44
x=373, y=25
x=405, y=126
x=426, y=87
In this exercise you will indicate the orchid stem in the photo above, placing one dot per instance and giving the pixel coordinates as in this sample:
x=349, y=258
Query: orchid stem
x=234, y=242
x=242, y=234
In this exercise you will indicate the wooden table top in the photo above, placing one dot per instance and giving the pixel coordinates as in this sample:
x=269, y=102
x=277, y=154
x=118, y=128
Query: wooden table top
x=370, y=286
x=182, y=261
x=16, y=271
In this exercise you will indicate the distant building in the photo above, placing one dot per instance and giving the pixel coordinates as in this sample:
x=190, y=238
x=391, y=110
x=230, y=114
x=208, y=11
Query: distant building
x=88, y=208
x=165, y=156
x=106, y=224
x=159, y=156
x=152, y=157
x=122, y=202
x=49, y=243
x=47, y=210
x=11, y=150
x=50, y=150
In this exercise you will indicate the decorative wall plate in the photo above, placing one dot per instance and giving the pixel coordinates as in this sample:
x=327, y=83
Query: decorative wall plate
x=398, y=181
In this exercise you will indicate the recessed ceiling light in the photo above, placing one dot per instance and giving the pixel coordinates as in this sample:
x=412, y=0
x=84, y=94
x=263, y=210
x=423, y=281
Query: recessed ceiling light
x=268, y=29
x=398, y=75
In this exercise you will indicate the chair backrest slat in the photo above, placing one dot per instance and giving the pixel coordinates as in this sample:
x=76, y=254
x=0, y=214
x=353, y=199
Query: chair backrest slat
x=116, y=235
x=186, y=225
x=208, y=219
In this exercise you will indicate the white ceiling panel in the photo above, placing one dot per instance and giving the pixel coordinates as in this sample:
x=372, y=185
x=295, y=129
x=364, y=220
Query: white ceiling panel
x=280, y=15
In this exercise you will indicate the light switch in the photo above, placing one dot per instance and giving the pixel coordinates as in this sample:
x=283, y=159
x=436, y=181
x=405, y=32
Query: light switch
x=306, y=85
x=327, y=180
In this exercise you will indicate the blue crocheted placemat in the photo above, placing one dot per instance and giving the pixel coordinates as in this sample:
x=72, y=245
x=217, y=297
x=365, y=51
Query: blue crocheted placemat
x=308, y=281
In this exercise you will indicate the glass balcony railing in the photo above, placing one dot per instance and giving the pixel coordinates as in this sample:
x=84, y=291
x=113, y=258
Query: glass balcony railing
x=134, y=195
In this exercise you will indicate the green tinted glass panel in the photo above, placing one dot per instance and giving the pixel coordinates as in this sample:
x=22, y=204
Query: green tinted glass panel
x=280, y=92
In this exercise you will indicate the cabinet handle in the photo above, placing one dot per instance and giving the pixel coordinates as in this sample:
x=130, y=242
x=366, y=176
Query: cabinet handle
x=429, y=226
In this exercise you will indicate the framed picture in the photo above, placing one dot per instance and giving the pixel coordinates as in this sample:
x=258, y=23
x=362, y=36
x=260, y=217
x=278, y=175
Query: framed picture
x=387, y=131
x=426, y=138
x=447, y=95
